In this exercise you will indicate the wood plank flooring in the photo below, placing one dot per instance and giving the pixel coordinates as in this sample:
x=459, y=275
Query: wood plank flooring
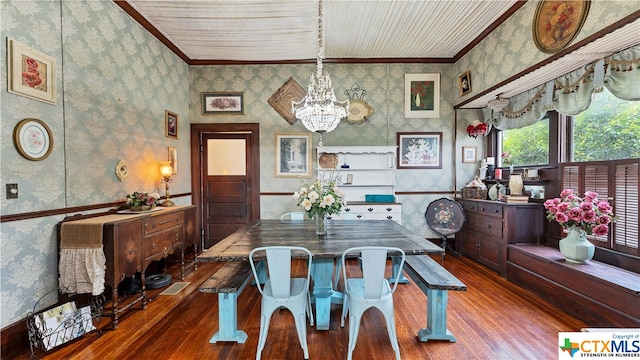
x=493, y=319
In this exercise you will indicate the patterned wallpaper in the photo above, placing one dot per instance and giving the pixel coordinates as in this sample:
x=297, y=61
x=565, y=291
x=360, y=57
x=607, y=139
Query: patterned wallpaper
x=114, y=82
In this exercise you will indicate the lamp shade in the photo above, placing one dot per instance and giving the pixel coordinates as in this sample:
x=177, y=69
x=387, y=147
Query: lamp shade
x=165, y=169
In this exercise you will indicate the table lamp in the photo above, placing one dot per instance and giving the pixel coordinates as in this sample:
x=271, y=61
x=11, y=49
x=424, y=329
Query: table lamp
x=166, y=170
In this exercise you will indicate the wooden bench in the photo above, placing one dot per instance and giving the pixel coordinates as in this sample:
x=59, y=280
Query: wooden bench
x=228, y=282
x=434, y=280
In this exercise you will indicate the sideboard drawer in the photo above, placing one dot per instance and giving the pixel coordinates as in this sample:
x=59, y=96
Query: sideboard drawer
x=490, y=226
x=469, y=206
x=162, y=242
x=161, y=222
x=488, y=209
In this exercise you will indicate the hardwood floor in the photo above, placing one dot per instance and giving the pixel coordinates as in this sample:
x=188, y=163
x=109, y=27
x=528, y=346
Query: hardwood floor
x=493, y=319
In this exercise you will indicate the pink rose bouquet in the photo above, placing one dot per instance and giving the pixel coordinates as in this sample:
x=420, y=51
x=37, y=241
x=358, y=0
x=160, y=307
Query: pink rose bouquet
x=590, y=214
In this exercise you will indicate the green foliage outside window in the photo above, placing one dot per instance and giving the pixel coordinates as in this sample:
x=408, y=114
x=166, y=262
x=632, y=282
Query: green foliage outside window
x=526, y=146
x=608, y=130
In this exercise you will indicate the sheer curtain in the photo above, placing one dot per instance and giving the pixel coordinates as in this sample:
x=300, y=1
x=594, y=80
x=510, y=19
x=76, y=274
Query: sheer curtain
x=571, y=93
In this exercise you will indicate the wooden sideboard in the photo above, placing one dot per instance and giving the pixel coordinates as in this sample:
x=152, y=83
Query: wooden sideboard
x=131, y=243
x=491, y=225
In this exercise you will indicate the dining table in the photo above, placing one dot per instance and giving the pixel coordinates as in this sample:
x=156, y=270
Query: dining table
x=341, y=235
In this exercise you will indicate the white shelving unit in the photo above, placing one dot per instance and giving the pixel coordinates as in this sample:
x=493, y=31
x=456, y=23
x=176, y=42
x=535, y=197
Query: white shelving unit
x=370, y=172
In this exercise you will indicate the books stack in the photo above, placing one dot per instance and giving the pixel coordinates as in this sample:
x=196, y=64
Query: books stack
x=517, y=199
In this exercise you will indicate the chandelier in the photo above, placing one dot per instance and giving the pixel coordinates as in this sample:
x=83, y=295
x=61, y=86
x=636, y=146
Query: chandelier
x=498, y=103
x=319, y=110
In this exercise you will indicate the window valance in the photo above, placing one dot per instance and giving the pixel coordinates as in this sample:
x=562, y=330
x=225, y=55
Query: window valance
x=570, y=94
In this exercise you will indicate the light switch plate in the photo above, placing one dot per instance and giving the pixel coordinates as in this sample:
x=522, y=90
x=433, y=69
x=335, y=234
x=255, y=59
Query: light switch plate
x=12, y=191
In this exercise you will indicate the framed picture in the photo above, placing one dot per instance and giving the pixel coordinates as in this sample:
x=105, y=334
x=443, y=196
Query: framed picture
x=464, y=83
x=469, y=154
x=33, y=139
x=173, y=158
x=556, y=24
x=30, y=73
x=214, y=103
x=421, y=95
x=171, y=124
x=293, y=155
x=420, y=150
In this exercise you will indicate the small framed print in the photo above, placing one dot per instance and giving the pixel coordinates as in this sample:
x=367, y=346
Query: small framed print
x=469, y=154
x=293, y=155
x=173, y=158
x=30, y=73
x=171, y=124
x=33, y=139
x=464, y=83
x=420, y=150
x=421, y=95
x=215, y=103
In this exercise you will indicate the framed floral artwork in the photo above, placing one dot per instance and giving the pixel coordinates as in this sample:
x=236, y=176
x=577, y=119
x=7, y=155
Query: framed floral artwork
x=30, y=73
x=469, y=154
x=557, y=23
x=171, y=124
x=215, y=103
x=464, y=83
x=421, y=95
x=293, y=155
x=419, y=150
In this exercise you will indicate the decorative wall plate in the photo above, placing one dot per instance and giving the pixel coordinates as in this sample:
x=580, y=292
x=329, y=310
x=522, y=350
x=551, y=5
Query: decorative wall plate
x=328, y=160
x=359, y=111
x=496, y=190
x=557, y=23
x=121, y=170
x=33, y=139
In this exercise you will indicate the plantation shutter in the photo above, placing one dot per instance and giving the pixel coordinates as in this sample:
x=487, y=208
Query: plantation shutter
x=627, y=185
x=571, y=177
x=596, y=179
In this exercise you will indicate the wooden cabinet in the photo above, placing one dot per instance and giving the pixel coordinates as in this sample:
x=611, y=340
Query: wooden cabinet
x=371, y=172
x=132, y=242
x=491, y=225
x=371, y=211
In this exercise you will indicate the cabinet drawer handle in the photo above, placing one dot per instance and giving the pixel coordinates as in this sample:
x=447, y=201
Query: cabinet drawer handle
x=131, y=251
x=389, y=217
x=347, y=209
x=153, y=245
x=488, y=226
x=496, y=211
x=359, y=216
x=370, y=209
x=481, y=209
x=389, y=209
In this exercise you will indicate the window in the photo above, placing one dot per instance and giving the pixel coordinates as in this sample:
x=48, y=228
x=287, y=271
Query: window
x=527, y=146
x=608, y=130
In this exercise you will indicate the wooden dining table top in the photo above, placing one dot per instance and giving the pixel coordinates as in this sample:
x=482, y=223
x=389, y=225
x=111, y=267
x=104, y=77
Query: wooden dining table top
x=341, y=235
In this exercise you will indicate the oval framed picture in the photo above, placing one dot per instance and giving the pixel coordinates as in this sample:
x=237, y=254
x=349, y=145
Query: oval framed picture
x=33, y=139
x=557, y=23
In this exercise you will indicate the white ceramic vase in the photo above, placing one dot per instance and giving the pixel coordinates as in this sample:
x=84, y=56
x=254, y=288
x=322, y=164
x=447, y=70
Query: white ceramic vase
x=515, y=184
x=575, y=247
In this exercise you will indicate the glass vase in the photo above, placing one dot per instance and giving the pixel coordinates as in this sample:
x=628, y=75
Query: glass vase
x=321, y=224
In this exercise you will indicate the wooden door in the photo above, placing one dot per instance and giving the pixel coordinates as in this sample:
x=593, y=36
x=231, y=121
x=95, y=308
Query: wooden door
x=228, y=178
